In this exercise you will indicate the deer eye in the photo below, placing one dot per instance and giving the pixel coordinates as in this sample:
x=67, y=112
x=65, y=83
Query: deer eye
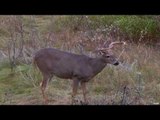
x=107, y=56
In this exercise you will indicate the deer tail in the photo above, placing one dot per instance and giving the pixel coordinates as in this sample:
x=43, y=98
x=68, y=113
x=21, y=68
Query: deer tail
x=35, y=67
x=34, y=62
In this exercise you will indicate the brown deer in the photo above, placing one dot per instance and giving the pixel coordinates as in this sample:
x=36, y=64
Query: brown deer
x=79, y=68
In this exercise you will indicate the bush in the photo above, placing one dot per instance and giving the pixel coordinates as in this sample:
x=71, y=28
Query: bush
x=136, y=28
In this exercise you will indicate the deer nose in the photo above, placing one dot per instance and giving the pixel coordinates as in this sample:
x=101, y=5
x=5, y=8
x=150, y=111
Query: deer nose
x=116, y=63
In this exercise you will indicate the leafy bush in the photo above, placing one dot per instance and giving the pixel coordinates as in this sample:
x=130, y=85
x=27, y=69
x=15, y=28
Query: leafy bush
x=137, y=28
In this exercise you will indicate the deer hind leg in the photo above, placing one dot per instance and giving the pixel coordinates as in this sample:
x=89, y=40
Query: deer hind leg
x=83, y=86
x=43, y=85
x=74, y=90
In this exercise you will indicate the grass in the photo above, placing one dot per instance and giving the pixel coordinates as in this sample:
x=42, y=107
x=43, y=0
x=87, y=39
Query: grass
x=142, y=82
x=136, y=81
x=106, y=88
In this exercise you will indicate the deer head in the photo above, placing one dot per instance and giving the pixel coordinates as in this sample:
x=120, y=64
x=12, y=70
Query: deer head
x=108, y=55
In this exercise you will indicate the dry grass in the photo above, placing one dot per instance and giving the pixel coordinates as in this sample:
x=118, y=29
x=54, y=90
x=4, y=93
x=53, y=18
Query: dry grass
x=135, y=82
x=127, y=84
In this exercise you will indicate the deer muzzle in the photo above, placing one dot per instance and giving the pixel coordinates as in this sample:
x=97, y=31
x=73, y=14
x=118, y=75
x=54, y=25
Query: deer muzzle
x=116, y=63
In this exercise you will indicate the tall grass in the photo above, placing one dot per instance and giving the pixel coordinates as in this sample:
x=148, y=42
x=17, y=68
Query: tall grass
x=134, y=81
x=128, y=83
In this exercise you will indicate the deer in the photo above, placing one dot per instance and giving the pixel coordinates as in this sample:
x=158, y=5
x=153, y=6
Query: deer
x=79, y=68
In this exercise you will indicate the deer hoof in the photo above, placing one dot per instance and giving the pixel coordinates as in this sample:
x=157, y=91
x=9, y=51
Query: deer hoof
x=46, y=101
x=74, y=101
x=84, y=103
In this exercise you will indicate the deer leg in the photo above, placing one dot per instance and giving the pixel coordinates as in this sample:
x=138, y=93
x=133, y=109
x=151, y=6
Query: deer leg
x=50, y=78
x=83, y=85
x=74, y=90
x=43, y=86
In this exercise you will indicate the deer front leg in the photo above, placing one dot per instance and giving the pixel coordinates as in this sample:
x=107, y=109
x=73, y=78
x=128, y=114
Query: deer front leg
x=83, y=85
x=74, y=90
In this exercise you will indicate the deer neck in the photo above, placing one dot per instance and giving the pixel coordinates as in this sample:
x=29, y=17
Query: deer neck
x=98, y=64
